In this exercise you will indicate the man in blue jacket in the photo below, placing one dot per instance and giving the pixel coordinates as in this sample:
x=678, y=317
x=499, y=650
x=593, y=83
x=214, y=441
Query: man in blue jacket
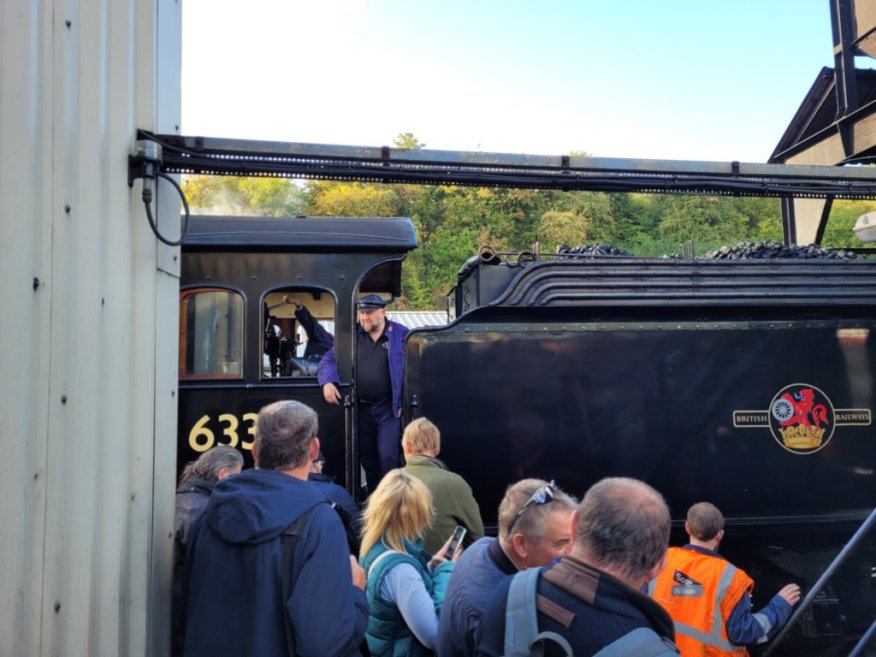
x=379, y=375
x=319, y=340
x=247, y=592
x=535, y=520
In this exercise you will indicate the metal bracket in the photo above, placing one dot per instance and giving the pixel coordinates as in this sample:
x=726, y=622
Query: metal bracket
x=145, y=161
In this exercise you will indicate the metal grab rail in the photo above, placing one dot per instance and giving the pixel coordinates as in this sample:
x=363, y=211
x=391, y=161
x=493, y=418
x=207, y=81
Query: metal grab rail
x=858, y=536
x=351, y=448
x=865, y=639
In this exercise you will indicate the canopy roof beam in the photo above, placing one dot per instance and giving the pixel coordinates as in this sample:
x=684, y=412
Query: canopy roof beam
x=215, y=156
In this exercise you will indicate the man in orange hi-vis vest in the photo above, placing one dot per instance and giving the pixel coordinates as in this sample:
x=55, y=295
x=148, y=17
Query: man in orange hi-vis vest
x=709, y=599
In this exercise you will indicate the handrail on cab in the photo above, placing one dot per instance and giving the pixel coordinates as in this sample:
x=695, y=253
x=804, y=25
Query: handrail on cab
x=859, y=535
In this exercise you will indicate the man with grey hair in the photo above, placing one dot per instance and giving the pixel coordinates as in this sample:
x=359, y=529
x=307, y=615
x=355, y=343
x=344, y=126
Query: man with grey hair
x=268, y=567
x=590, y=600
x=534, y=528
x=709, y=598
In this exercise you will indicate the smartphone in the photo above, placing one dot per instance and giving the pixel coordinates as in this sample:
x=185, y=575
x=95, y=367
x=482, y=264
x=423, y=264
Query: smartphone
x=455, y=542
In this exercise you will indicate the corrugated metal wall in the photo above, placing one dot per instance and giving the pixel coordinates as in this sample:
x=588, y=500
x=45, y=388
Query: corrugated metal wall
x=87, y=329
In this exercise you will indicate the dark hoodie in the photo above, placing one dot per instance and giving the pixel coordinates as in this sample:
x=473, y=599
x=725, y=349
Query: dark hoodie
x=346, y=507
x=235, y=605
x=191, y=499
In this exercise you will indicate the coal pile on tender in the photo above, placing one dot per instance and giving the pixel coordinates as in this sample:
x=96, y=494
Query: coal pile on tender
x=776, y=250
x=597, y=250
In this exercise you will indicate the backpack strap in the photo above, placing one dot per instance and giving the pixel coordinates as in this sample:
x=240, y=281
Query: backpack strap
x=641, y=642
x=348, y=517
x=522, y=638
x=289, y=540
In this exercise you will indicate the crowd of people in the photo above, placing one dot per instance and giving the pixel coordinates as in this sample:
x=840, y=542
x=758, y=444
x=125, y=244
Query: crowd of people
x=279, y=561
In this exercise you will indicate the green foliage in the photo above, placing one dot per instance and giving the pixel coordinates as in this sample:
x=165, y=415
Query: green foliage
x=555, y=228
x=233, y=195
x=840, y=228
x=714, y=221
x=701, y=219
x=407, y=141
x=339, y=199
x=594, y=216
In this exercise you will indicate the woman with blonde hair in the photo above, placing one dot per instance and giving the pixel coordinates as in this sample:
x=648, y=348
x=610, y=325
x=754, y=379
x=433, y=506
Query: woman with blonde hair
x=404, y=584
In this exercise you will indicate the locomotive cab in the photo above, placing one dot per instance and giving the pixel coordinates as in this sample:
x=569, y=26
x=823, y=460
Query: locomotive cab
x=261, y=300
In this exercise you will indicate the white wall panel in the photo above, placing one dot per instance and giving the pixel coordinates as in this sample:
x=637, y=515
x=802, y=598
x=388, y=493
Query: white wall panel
x=87, y=355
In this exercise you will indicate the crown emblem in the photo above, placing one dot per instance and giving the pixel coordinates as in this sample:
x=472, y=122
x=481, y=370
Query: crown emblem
x=802, y=437
x=801, y=418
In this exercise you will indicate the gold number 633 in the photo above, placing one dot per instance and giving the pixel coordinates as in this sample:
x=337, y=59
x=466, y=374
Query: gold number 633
x=202, y=437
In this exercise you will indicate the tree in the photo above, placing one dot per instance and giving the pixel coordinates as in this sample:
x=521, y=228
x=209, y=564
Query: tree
x=234, y=195
x=595, y=212
x=555, y=228
x=840, y=229
x=636, y=223
x=342, y=199
x=406, y=141
x=708, y=221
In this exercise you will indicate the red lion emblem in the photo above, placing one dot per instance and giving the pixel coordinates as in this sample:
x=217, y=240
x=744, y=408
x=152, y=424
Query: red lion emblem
x=806, y=412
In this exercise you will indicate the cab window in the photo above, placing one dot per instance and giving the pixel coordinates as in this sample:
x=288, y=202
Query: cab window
x=299, y=327
x=211, y=334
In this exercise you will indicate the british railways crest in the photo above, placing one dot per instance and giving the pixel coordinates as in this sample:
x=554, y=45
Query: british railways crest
x=802, y=418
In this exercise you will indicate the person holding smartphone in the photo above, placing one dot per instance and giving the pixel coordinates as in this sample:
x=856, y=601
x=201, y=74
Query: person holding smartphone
x=535, y=522
x=455, y=542
x=404, y=584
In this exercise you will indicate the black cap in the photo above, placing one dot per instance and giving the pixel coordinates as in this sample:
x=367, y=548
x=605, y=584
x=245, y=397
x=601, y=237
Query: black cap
x=371, y=302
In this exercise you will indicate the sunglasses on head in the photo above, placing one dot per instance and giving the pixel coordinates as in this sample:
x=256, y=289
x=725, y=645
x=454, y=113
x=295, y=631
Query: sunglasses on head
x=542, y=495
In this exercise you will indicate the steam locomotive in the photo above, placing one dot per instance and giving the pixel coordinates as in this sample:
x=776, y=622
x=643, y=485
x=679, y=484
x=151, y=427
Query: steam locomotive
x=747, y=383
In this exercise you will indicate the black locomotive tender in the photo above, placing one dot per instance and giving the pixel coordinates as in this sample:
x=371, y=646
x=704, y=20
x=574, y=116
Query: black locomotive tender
x=748, y=383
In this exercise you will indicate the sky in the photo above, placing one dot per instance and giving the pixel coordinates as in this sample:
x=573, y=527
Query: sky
x=652, y=79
